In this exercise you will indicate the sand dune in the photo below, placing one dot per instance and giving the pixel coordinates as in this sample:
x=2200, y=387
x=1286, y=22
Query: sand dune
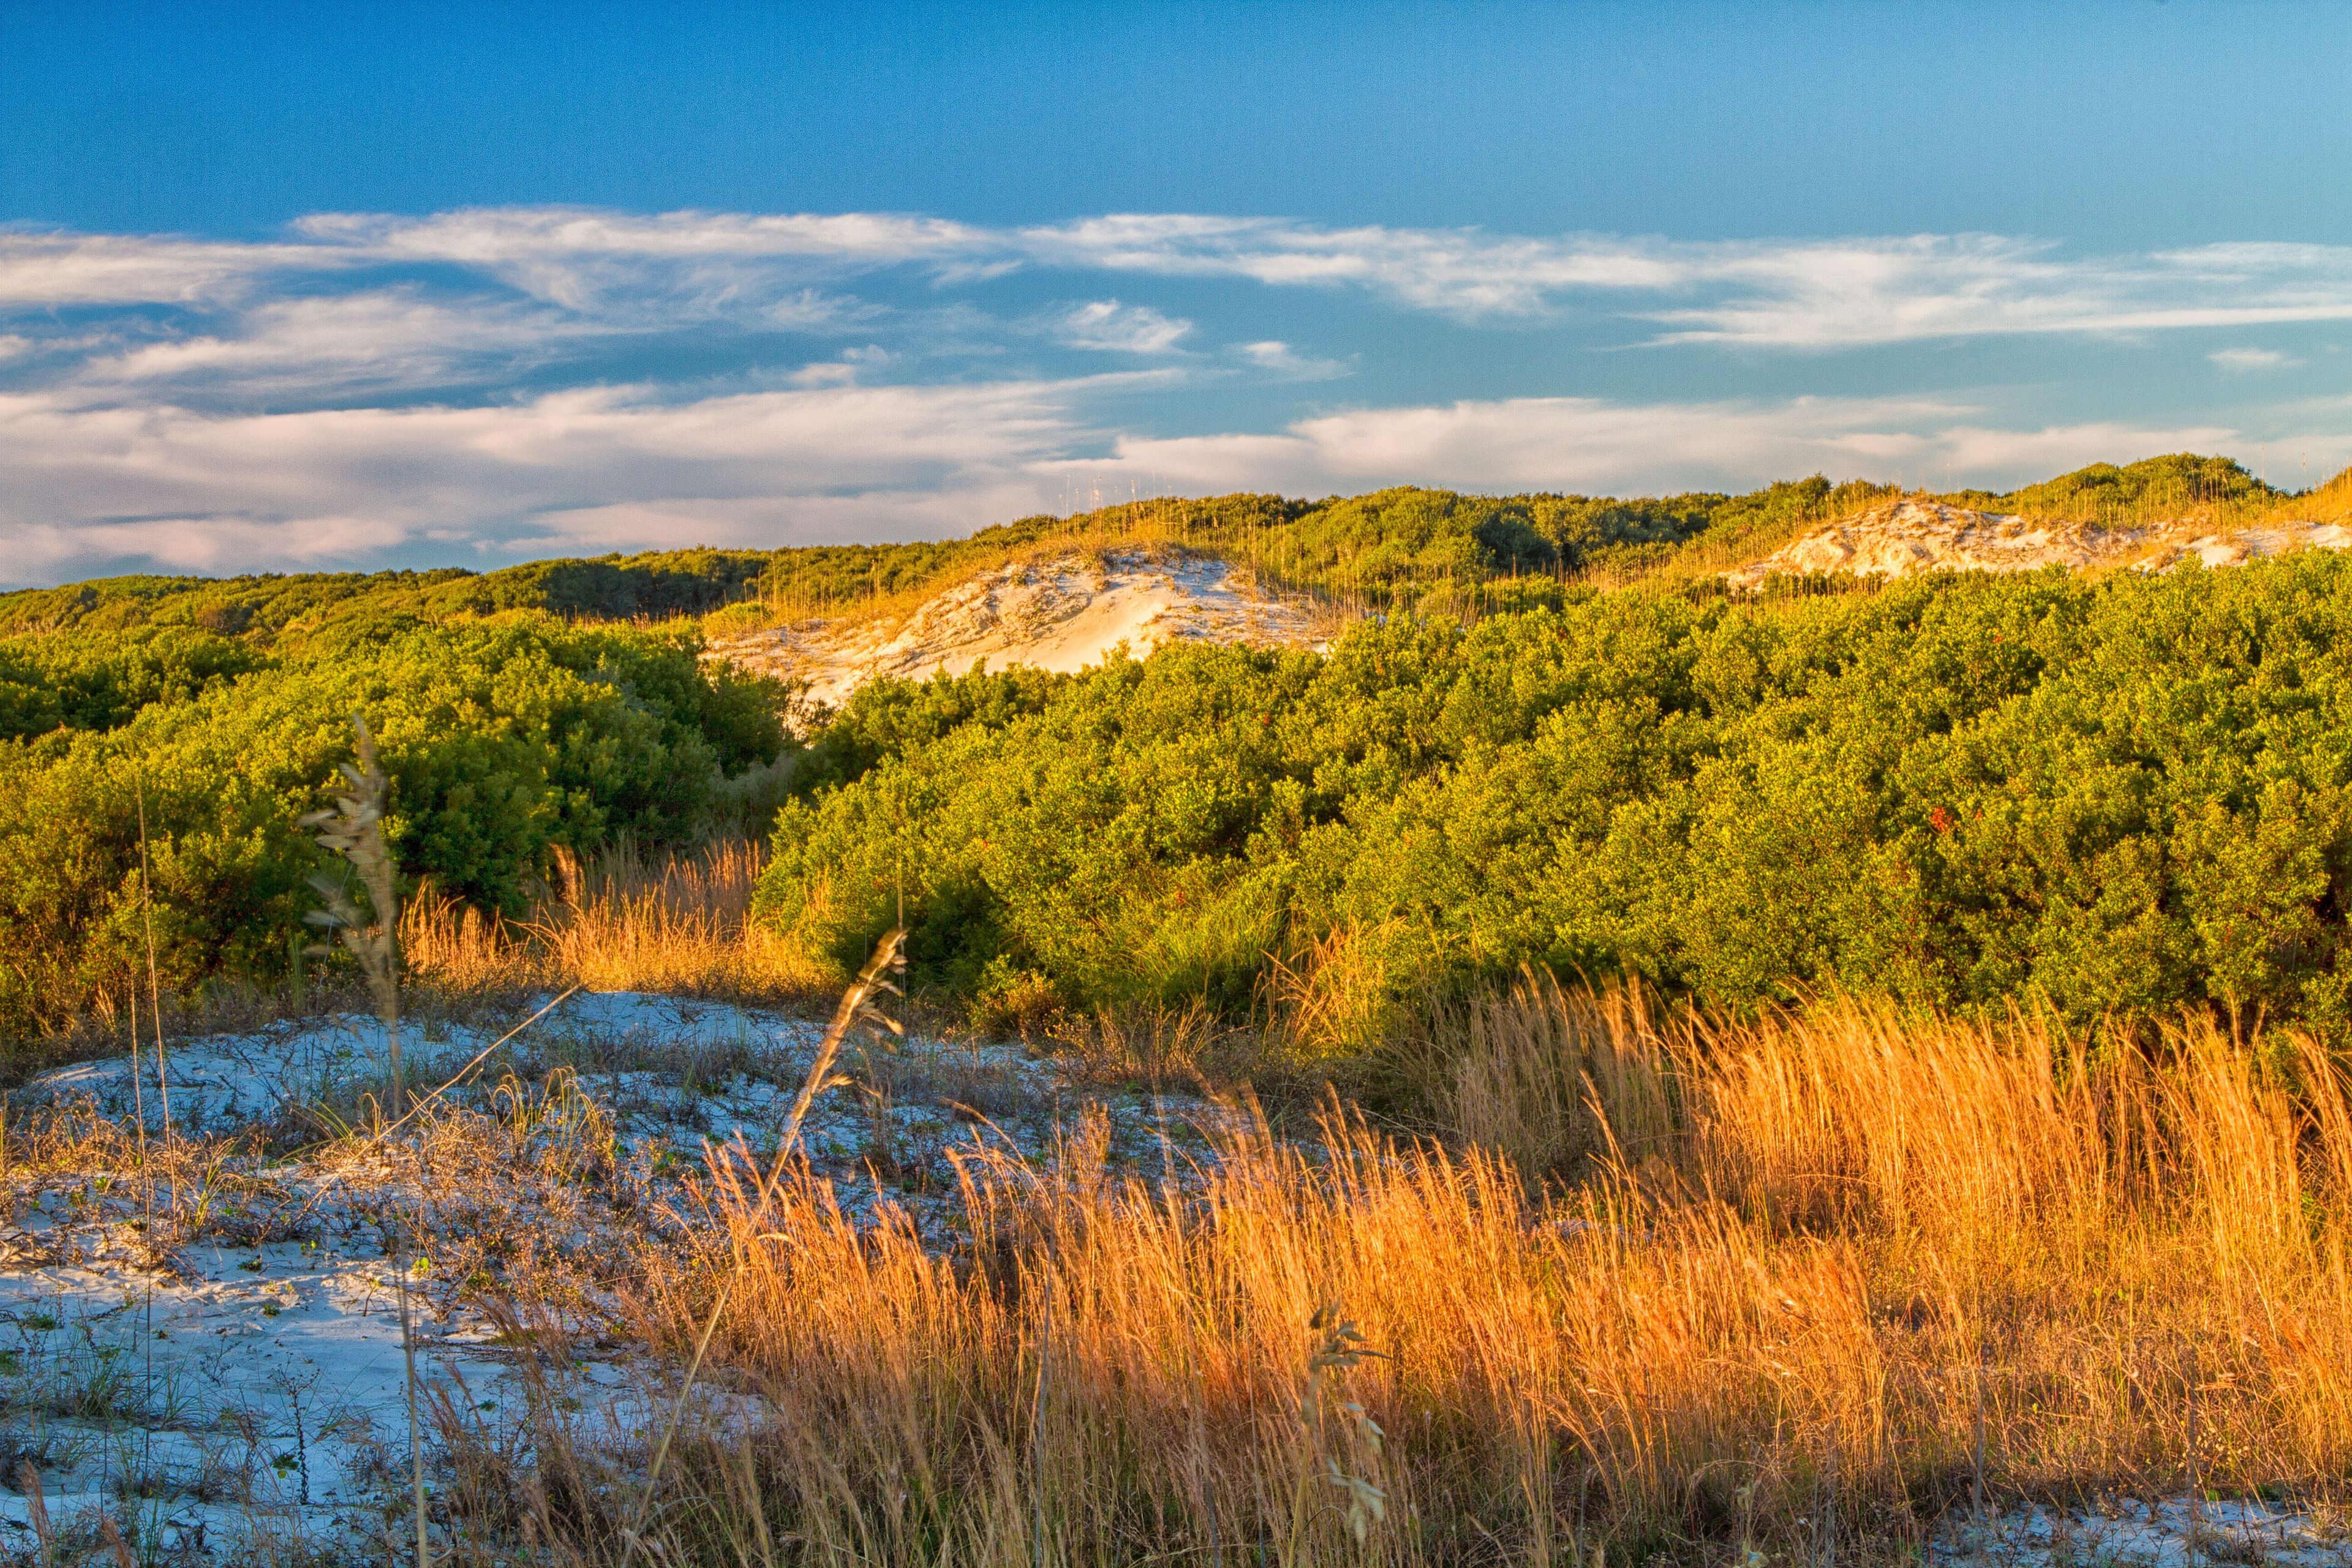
x=1058, y=614
x=1931, y=536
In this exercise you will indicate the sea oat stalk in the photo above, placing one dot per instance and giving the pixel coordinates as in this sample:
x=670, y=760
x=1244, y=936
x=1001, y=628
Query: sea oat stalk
x=353, y=828
x=857, y=1009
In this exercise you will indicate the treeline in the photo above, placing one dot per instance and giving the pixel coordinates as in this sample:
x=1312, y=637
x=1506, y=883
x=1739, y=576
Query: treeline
x=270, y=606
x=505, y=739
x=1411, y=550
x=2117, y=799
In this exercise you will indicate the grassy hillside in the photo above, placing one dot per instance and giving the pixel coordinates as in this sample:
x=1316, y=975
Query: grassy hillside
x=1433, y=550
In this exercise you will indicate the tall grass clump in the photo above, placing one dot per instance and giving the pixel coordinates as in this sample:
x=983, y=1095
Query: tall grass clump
x=679, y=923
x=1787, y=1272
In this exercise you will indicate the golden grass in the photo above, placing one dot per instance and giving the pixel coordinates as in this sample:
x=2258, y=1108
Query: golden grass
x=1804, y=1259
x=681, y=925
x=2328, y=502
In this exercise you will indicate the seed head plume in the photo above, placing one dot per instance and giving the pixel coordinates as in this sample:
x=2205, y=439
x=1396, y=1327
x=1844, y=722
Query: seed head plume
x=1327, y=1412
x=353, y=828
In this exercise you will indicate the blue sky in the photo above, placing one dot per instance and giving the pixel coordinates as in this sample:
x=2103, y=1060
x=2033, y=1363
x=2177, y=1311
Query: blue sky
x=321, y=286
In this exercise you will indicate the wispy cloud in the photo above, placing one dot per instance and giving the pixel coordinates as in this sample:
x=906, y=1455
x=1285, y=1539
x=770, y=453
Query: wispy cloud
x=46, y=269
x=1277, y=358
x=356, y=343
x=1461, y=272
x=1107, y=324
x=1793, y=294
x=2250, y=359
x=1862, y=292
x=1598, y=447
x=593, y=260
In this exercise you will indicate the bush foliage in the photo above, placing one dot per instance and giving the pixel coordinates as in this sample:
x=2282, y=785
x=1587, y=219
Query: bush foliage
x=504, y=738
x=2120, y=798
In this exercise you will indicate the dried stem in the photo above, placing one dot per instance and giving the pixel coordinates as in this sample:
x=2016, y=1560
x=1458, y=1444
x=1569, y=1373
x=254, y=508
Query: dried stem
x=856, y=1008
x=353, y=828
x=154, y=980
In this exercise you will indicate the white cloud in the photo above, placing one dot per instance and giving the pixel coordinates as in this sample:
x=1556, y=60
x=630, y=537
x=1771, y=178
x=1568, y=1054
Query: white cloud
x=1595, y=446
x=1277, y=358
x=2250, y=359
x=47, y=268
x=1463, y=272
x=594, y=259
x=109, y=489
x=1789, y=294
x=517, y=234
x=366, y=341
x=1853, y=293
x=1804, y=294
x=1107, y=324
x=844, y=371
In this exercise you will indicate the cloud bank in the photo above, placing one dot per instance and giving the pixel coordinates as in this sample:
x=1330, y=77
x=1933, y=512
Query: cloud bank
x=594, y=470
x=492, y=384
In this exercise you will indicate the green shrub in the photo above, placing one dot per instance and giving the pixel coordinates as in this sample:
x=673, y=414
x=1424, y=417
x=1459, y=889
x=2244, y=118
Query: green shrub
x=2122, y=797
x=504, y=740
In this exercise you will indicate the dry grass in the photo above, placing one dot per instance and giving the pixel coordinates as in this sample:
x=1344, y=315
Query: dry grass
x=681, y=926
x=1804, y=1259
x=2328, y=502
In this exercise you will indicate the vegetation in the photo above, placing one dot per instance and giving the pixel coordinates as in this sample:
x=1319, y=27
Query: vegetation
x=2116, y=798
x=266, y=607
x=1431, y=552
x=1820, y=1278
x=1969, y=970
x=507, y=739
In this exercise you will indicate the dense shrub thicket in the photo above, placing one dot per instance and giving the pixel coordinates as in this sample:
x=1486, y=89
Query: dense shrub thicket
x=504, y=738
x=2121, y=797
x=97, y=682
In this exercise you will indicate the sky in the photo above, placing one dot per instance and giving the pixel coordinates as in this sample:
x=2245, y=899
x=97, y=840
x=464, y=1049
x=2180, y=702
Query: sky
x=343, y=286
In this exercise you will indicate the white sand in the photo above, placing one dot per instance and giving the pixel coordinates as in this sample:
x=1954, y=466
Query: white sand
x=1928, y=536
x=1059, y=615
x=258, y=1390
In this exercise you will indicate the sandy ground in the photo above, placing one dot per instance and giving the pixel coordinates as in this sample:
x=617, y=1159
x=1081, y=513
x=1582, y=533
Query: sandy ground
x=231, y=1387
x=1929, y=536
x=232, y=1383
x=1061, y=615
x=2135, y=1533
